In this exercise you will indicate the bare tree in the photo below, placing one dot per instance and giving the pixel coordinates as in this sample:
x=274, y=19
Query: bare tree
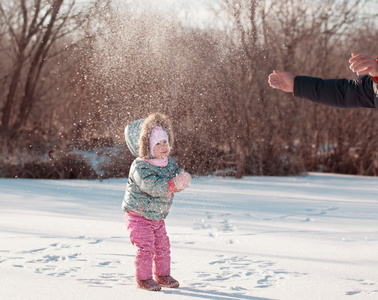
x=32, y=30
x=211, y=80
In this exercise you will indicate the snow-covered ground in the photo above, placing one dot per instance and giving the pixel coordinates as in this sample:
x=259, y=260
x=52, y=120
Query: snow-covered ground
x=312, y=237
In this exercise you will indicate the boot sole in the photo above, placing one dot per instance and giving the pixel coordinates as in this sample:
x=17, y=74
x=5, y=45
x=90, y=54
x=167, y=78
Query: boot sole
x=173, y=285
x=152, y=289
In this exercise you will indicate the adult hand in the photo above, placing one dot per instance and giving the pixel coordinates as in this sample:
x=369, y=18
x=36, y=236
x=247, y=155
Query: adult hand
x=282, y=80
x=362, y=64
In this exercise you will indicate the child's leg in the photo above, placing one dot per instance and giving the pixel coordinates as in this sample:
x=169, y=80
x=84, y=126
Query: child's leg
x=142, y=236
x=162, y=258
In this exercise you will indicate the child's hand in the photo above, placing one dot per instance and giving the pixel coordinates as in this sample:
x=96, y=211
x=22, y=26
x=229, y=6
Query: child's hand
x=182, y=180
x=179, y=182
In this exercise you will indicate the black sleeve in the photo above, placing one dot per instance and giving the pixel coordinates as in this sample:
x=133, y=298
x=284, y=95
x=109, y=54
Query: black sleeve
x=336, y=92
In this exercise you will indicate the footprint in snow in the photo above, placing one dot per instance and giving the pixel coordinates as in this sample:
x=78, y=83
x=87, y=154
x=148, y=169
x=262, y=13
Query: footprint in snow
x=243, y=270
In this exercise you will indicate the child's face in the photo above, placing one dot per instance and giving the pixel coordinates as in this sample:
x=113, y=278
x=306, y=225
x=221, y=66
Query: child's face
x=161, y=149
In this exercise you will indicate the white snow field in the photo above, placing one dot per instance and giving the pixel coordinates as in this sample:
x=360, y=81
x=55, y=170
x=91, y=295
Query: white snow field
x=306, y=237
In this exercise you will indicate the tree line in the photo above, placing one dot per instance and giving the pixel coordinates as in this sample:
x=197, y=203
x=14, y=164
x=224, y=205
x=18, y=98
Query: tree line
x=74, y=74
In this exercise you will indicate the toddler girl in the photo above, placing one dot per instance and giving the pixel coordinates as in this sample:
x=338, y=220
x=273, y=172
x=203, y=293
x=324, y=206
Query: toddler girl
x=153, y=179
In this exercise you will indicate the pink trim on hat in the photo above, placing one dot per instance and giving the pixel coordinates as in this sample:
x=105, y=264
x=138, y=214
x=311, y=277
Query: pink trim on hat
x=157, y=135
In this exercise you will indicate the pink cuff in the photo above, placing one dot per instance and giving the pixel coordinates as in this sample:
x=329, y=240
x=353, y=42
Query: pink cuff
x=171, y=187
x=375, y=78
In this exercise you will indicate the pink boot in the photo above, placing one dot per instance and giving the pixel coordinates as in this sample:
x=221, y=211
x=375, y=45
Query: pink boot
x=167, y=281
x=149, y=285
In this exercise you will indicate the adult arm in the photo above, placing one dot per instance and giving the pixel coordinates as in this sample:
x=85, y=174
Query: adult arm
x=336, y=92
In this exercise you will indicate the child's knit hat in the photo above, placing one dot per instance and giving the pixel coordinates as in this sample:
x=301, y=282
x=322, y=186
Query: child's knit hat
x=157, y=134
x=137, y=134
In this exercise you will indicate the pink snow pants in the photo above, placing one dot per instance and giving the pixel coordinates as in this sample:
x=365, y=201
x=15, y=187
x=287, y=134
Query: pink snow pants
x=153, y=254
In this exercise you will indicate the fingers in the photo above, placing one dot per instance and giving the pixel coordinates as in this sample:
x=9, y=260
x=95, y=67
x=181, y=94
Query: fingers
x=356, y=56
x=281, y=80
x=359, y=58
x=362, y=69
x=361, y=64
x=364, y=72
x=274, y=79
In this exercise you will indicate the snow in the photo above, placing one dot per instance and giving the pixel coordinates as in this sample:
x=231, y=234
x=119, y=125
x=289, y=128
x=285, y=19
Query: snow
x=306, y=237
